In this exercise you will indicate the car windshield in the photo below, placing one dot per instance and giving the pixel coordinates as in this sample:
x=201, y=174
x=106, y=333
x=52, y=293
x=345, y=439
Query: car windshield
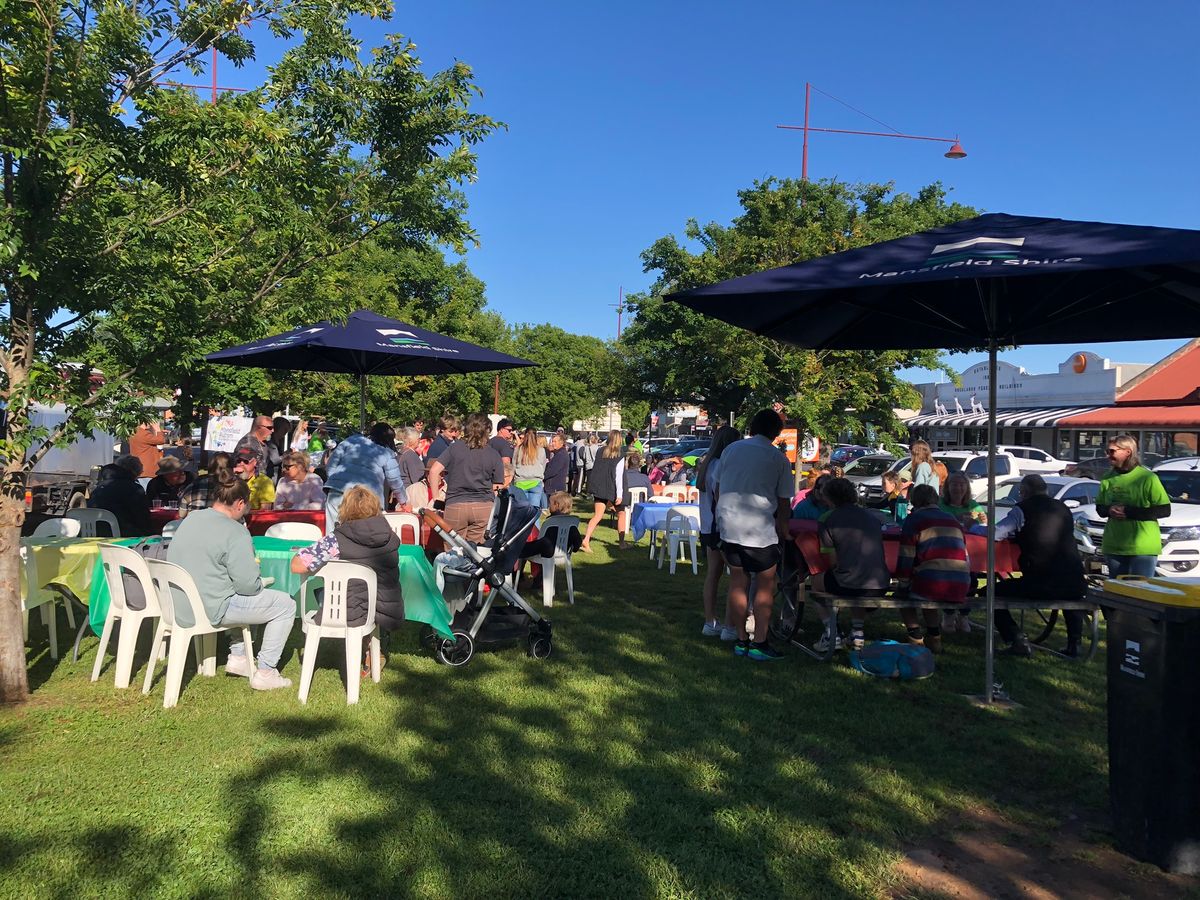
x=869, y=466
x=953, y=463
x=1181, y=487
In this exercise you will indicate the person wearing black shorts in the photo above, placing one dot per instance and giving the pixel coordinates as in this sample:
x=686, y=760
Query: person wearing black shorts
x=754, y=490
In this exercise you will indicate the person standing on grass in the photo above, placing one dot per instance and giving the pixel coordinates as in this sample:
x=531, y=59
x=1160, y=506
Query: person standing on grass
x=1133, y=500
x=606, y=482
x=215, y=548
x=502, y=443
x=632, y=477
x=710, y=537
x=556, y=466
x=754, y=490
x=932, y=564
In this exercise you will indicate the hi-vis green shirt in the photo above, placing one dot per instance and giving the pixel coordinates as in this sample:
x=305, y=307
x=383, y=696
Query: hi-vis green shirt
x=1137, y=488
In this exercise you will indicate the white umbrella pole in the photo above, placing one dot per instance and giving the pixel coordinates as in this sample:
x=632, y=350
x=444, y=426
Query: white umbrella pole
x=362, y=403
x=989, y=641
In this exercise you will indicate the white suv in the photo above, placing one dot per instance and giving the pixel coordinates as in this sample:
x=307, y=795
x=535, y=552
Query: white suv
x=1031, y=459
x=972, y=462
x=1180, y=530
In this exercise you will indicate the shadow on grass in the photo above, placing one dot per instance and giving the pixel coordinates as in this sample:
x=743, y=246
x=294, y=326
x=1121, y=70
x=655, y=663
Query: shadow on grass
x=642, y=759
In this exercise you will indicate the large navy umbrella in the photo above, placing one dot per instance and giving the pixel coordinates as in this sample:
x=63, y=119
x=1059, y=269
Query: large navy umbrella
x=367, y=344
x=992, y=280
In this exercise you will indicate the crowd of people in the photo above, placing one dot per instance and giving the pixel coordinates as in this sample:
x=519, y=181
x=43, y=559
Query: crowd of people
x=746, y=503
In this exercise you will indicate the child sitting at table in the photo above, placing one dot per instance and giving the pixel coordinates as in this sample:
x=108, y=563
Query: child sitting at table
x=852, y=537
x=560, y=505
x=932, y=563
x=362, y=536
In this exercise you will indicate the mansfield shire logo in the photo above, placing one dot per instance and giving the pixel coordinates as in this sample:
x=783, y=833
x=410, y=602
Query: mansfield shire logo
x=403, y=338
x=979, y=251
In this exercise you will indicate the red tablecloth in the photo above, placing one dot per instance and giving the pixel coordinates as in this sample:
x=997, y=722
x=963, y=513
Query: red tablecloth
x=258, y=521
x=804, y=531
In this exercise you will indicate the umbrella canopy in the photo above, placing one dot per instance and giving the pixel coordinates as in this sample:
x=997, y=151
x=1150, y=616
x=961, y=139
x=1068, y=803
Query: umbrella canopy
x=367, y=344
x=995, y=279
x=1014, y=279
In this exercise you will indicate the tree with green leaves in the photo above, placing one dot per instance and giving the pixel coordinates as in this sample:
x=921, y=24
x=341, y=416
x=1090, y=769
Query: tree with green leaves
x=674, y=355
x=142, y=227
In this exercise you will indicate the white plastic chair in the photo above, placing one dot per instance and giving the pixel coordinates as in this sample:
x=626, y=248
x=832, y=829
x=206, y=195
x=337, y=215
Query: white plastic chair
x=167, y=578
x=36, y=596
x=295, y=531
x=88, y=518
x=560, y=557
x=683, y=525
x=677, y=492
x=65, y=528
x=636, y=495
x=403, y=521
x=114, y=559
x=337, y=577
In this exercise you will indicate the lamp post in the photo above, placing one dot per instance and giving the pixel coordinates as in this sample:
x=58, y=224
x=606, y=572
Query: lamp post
x=956, y=150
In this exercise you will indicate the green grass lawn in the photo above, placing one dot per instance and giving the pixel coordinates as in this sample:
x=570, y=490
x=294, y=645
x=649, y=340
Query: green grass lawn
x=641, y=759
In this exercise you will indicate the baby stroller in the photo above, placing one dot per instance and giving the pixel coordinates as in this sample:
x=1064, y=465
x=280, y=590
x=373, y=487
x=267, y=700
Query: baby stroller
x=478, y=618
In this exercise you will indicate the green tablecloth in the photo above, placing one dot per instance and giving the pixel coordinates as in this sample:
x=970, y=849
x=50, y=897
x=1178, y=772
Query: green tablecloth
x=422, y=600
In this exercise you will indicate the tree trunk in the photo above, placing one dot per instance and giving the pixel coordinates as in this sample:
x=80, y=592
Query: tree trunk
x=14, y=682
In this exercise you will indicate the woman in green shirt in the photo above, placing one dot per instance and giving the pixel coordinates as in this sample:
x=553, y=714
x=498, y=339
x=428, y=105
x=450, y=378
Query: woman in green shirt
x=957, y=500
x=1133, y=500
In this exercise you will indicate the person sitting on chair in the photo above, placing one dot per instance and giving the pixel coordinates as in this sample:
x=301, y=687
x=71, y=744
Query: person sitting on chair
x=216, y=550
x=560, y=505
x=363, y=536
x=1051, y=568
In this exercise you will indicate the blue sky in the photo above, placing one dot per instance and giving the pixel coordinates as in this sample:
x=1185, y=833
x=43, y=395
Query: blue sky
x=626, y=119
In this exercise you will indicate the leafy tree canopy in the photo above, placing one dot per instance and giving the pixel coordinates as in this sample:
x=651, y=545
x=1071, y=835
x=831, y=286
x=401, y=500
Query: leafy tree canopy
x=674, y=355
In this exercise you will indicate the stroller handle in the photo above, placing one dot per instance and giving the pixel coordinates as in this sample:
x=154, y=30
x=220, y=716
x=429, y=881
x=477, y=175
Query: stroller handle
x=434, y=520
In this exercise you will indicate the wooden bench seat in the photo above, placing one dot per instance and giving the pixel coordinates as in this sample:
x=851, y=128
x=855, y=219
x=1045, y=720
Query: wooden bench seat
x=835, y=603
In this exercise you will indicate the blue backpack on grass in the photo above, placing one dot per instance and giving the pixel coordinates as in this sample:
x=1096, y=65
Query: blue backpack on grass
x=890, y=659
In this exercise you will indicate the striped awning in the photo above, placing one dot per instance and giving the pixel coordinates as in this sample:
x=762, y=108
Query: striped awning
x=1005, y=418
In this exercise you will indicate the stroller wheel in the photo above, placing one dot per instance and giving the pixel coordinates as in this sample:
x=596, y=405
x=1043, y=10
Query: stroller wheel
x=457, y=652
x=540, y=647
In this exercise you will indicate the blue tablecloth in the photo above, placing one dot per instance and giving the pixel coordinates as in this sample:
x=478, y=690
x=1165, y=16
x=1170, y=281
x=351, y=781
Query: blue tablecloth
x=653, y=516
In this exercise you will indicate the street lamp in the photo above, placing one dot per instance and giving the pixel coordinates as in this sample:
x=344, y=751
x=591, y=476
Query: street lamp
x=956, y=150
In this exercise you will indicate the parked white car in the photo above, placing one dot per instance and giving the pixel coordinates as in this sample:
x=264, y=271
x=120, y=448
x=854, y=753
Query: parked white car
x=1075, y=492
x=1180, y=530
x=973, y=462
x=1031, y=459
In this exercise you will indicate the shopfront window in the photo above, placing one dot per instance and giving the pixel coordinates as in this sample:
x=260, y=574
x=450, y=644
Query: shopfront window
x=1159, y=445
x=1090, y=444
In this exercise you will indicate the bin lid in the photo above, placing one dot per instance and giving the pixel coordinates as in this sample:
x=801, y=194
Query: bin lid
x=1180, y=592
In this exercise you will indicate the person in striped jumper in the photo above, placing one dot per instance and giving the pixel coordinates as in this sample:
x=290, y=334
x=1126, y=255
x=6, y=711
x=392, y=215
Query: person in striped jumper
x=932, y=563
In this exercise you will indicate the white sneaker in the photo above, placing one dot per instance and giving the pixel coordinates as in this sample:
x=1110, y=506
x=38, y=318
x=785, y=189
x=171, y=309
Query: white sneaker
x=711, y=629
x=728, y=633
x=822, y=644
x=237, y=665
x=964, y=624
x=269, y=680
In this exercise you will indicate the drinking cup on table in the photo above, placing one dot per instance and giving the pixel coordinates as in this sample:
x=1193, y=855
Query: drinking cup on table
x=266, y=506
x=156, y=503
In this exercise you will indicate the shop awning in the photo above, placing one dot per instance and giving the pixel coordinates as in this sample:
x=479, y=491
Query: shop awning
x=1186, y=416
x=1047, y=417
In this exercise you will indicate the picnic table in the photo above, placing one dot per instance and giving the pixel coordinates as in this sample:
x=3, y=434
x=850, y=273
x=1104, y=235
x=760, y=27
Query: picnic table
x=804, y=533
x=257, y=520
x=1008, y=557
x=653, y=516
